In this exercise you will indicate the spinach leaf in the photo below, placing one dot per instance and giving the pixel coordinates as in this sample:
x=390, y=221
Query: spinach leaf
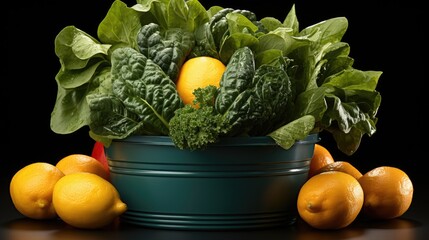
x=227, y=31
x=144, y=98
x=110, y=119
x=272, y=91
x=168, y=49
x=253, y=101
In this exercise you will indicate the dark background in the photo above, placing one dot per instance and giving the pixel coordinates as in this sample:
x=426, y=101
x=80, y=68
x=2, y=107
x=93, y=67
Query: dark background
x=384, y=36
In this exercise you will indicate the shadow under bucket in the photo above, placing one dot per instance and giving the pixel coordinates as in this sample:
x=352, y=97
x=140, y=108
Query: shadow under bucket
x=241, y=182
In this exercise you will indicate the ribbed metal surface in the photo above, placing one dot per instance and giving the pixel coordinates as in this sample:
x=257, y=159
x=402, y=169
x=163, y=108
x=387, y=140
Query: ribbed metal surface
x=226, y=186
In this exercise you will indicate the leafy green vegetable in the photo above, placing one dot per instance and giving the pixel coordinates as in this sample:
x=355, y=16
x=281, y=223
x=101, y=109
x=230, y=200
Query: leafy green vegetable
x=143, y=98
x=120, y=25
x=252, y=100
x=249, y=102
x=168, y=49
x=195, y=128
x=84, y=68
x=298, y=129
x=280, y=81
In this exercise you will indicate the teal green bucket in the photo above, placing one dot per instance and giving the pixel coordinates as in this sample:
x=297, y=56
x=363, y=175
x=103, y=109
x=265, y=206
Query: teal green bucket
x=239, y=183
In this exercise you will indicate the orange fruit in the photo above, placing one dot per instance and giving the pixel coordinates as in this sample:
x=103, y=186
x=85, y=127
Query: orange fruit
x=388, y=192
x=321, y=157
x=82, y=163
x=31, y=190
x=198, y=72
x=341, y=166
x=330, y=200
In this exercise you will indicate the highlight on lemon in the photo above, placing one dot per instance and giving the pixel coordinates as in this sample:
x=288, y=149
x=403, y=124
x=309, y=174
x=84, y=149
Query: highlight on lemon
x=198, y=72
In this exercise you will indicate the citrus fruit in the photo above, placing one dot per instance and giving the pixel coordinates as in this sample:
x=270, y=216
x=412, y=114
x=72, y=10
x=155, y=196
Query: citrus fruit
x=82, y=163
x=388, y=192
x=198, y=72
x=341, y=166
x=330, y=200
x=321, y=157
x=86, y=200
x=31, y=190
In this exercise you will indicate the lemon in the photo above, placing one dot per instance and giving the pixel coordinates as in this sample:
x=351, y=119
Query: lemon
x=86, y=200
x=31, y=190
x=82, y=163
x=198, y=72
x=388, y=192
x=330, y=200
x=321, y=158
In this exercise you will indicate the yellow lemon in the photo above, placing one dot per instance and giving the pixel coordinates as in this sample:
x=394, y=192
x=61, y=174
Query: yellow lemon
x=86, y=200
x=321, y=157
x=341, y=166
x=82, y=163
x=388, y=192
x=198, y=72
x=31, y=190
x=330, y=200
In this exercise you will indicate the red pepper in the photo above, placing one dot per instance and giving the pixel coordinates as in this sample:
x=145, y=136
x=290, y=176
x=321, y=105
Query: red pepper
x=99, y=154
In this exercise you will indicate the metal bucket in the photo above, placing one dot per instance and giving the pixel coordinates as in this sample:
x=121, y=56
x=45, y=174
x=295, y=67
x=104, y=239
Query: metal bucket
x=241, y=182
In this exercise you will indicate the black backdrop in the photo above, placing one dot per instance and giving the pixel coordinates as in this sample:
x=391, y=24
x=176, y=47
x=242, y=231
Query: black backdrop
x=385, y=37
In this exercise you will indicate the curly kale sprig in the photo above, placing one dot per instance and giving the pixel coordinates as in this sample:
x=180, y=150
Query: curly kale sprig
x=196, y=127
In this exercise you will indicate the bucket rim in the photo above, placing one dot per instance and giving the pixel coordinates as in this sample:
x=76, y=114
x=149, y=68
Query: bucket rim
x=225, y=141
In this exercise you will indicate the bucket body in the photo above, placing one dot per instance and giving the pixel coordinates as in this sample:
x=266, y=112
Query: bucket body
x=240, y=182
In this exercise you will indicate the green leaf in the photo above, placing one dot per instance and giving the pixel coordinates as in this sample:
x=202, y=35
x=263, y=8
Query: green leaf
x=348, y=115
x=355, y=79
x=120, y=25
x=238, y=23
x=75, y=48
x=271, y=41
x=153, y=11
x=331, y=30
x=291, y=21
x=349, y=142
x=298, y=129
x=311, y=102
x=187, y=15
x=168, y=49
x=71, y=111
x=234, y=42
x=144, y=89
x=70, y=79
x=111, y=119
x=271, y=23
